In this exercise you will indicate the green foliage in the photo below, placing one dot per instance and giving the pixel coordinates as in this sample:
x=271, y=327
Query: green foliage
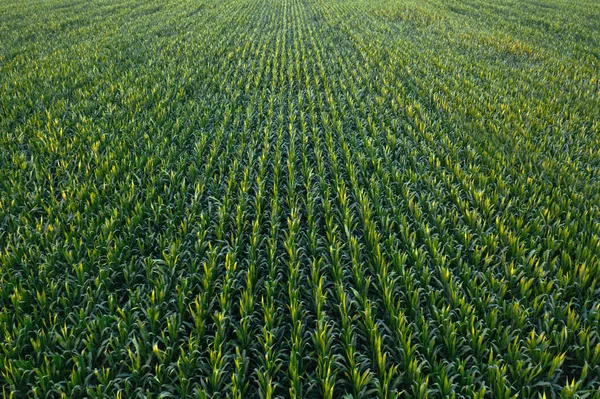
x=304, y=199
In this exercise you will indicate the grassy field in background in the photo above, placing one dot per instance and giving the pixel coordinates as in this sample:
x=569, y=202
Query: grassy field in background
x=299, y=199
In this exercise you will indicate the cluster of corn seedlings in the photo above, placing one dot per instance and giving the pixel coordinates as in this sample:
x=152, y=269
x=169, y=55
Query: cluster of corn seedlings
x=299, y=198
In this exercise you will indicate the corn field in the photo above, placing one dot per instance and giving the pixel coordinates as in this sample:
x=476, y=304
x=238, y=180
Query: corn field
x=299, y=199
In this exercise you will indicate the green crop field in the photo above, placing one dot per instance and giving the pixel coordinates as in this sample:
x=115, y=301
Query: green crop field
x=299, y=199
